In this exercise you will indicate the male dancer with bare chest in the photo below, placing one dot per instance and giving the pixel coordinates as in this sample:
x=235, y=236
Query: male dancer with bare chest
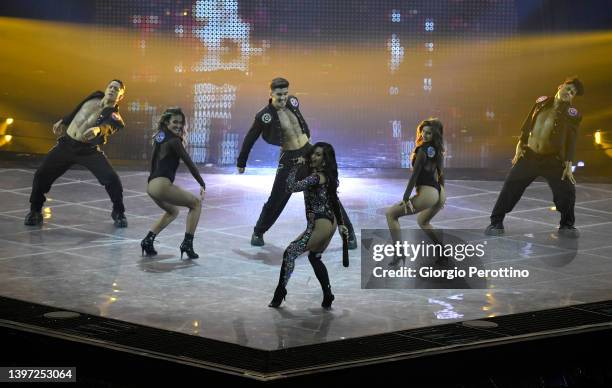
x=546, y=148
x=281, y=123
x=86, y=128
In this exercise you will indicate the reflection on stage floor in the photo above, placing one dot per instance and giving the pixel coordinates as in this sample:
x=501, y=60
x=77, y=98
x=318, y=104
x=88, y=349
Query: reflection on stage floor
x=79, y=261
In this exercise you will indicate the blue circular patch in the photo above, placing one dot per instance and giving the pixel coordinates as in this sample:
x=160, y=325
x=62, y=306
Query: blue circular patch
x=431, y=151
x=160, y=136
x=572, y=112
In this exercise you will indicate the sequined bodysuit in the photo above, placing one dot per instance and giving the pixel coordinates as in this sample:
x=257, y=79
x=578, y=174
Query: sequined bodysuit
x=318, y=204
x=316, y=199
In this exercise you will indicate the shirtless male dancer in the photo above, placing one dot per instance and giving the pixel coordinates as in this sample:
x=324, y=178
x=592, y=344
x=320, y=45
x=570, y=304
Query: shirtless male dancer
x=546, y=148
x=281, y=123
x=88, y=127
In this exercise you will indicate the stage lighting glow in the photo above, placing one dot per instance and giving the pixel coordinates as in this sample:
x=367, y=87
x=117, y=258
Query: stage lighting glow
x=9, y=121
x=553, y=208
x=580, y=164
x=218, y=48
x=598, y=137
x=8, y=138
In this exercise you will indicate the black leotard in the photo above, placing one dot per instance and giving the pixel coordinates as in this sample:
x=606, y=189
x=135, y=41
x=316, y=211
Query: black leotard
x=167, y=154
x=425, y=166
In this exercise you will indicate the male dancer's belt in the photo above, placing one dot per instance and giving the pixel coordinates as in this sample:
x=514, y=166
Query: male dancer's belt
x=75, y=142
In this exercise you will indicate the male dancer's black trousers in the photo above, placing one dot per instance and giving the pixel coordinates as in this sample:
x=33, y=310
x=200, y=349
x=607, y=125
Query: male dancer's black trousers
x=279, y=196
x=525, y=171
x=62, y=156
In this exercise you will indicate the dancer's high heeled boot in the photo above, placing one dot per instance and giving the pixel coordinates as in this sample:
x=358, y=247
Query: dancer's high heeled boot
x=328, y=298
x=323, y=277
x=147, y=244
x=280, y=294
x=281, y=291
x=187, y=247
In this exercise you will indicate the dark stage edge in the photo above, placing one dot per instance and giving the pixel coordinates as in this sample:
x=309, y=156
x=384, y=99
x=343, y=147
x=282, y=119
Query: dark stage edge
x=262, y=365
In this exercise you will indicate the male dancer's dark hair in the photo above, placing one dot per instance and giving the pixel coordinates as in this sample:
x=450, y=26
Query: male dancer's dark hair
x=279, y=83
x=573, y=80
x=120, y=83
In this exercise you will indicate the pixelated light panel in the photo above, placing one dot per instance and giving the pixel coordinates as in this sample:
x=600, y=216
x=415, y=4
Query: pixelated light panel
x=365, y=72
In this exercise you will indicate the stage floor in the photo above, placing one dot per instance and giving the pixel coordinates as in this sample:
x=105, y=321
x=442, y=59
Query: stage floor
x=79, y=261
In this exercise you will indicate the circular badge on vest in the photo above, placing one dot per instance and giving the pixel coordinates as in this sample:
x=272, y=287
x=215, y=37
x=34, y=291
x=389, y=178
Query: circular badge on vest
x=266, y=118
x=431, y=151
x=572, y=112
x=160, y=136
x=543, y=98
x=294, y=102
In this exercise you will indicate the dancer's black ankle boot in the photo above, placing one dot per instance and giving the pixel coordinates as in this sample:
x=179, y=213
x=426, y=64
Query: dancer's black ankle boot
x=321, y=273
x=147, y=244
x=328, y=298
x=187, y=247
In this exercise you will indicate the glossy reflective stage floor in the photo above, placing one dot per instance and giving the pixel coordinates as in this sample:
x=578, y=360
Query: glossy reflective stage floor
x=79, y=261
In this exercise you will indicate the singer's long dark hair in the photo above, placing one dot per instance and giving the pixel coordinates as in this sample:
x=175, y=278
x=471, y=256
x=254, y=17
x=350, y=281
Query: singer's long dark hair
x=330, y=170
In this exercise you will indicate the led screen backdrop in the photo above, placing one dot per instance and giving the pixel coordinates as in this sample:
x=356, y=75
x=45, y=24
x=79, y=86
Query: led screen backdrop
x=366, y=72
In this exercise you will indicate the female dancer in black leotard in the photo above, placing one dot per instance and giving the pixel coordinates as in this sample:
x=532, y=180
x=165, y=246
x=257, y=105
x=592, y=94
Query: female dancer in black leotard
x=167, y=153
x=427, y=176
x=322, y=215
